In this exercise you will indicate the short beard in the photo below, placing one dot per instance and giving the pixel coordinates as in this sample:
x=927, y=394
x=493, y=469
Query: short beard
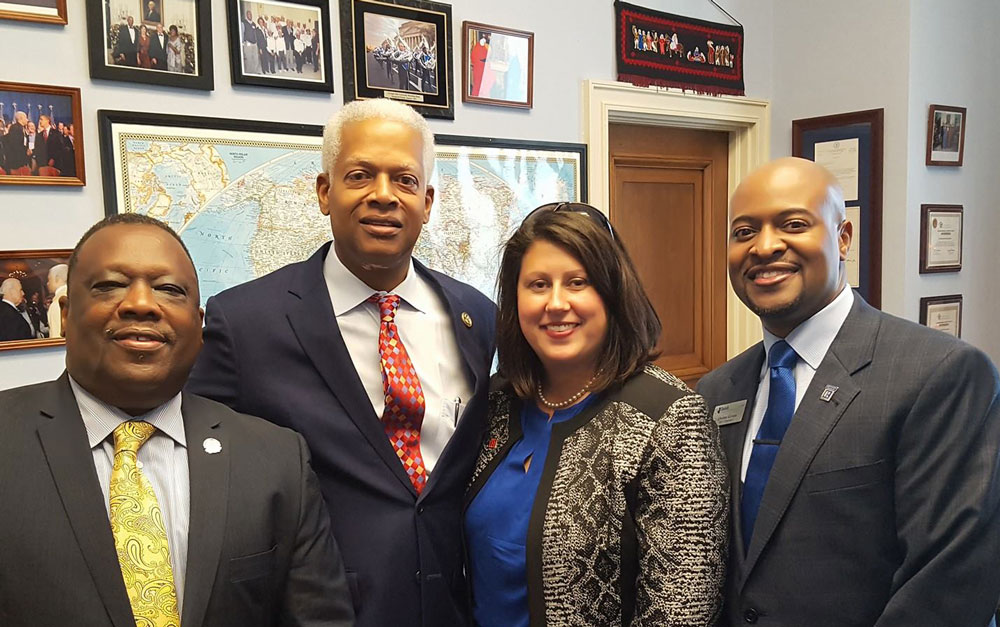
x=780, y=312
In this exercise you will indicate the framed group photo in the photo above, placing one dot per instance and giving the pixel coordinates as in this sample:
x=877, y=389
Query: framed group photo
x=45, y=11
x=160, y=42
x=31, y=283
x=281, y=44
x=399, y=49
x=945, y=135
x=497, y=65
x=41, y=135
x=943, y=313
x=940, y=238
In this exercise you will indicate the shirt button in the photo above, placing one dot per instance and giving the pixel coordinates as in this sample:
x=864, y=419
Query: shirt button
x=138, y=465
x=750, y=616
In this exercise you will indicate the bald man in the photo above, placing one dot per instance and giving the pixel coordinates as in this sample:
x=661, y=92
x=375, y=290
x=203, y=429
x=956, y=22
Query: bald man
x=862, y=448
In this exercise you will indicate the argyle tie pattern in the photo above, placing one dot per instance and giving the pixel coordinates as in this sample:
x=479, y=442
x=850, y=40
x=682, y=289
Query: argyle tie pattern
x=139, y=532
x=404, y=396
x=777, y=417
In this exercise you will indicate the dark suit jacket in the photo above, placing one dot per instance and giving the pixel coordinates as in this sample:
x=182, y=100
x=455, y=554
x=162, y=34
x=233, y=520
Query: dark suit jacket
x=13, y=326
x=126, y=46
x=158, y=52
x=16, y=151
x=882, y=505
x=53, y=148
x=259, y=550
x=272, y=347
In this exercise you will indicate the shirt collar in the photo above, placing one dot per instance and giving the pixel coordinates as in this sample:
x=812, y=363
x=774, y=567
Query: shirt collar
x=347, y=291
x=812, y=339
x=100, y=418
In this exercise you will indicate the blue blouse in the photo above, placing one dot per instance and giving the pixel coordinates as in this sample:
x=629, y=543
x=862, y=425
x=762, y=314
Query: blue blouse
x=496, y=522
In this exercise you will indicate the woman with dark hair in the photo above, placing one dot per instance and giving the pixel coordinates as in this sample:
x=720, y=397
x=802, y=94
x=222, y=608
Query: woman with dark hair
x=599, y=496
x=144, y=41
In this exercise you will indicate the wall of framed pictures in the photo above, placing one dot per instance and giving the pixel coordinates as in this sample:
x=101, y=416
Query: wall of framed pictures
x=61, y=52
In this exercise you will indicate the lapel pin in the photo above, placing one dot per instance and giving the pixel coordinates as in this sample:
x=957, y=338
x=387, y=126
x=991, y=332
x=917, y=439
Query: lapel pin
x=492, y=444
x=466, y=319
x=212, y=446
x=827, y=393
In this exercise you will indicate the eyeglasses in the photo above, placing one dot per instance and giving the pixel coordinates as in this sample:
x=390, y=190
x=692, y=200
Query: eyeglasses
x=576, y=207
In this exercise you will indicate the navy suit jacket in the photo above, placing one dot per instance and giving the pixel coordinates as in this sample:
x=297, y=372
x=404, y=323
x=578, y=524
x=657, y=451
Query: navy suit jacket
x=273, y=348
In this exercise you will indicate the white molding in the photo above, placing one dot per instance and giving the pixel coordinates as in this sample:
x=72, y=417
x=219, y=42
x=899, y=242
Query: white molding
x=747, y=121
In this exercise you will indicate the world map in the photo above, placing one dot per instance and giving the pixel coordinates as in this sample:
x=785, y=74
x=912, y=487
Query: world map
x=246, y=208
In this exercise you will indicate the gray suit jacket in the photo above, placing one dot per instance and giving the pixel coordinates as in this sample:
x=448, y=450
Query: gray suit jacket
x=259, y=549
x=882, y=505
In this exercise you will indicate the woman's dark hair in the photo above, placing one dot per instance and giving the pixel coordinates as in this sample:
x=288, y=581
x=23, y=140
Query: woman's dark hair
x=633, y=326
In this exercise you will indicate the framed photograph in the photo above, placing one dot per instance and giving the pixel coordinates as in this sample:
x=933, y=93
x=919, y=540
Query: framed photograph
x=31, y=283
x=940, y=238
x=281, y=44
x=849, y=145
x=41, y=135
x=497, y=65
x=399, y=49
x=943, y=313
x=160, y=42
x=945, y=135
x=45, y=11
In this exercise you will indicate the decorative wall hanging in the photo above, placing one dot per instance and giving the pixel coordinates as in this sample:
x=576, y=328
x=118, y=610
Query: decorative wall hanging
x=497, y=65
x=46, y=11
x=33, y=283
x=281, y=44
x=655, y=48
x=940, y=238
x=945, y=135
x=399, y=49
x=849, y=145
x=943, y=313
x=42, y=142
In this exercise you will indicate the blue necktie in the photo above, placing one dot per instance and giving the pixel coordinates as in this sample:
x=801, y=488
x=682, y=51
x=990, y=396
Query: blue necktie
x=780, y=407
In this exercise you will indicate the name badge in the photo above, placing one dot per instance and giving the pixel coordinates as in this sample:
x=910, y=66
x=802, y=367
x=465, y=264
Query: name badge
x=730, y=413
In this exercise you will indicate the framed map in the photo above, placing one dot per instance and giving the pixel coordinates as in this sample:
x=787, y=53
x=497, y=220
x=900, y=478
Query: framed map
x=241, y=193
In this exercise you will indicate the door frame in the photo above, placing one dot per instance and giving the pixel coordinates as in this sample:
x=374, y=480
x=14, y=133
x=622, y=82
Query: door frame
x=747, y=121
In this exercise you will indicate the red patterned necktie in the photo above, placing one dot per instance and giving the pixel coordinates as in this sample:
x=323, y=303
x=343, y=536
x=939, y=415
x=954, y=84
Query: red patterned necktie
x=404, y=396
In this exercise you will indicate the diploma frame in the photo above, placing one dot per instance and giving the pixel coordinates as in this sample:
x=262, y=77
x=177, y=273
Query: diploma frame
x=928, y=219
x=866, y=126
x=930, y=305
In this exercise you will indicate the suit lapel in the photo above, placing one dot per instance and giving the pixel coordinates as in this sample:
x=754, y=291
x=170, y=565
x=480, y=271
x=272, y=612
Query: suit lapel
x=64, y=440
x=311, y=316
x=209, y=481
x=813, y=421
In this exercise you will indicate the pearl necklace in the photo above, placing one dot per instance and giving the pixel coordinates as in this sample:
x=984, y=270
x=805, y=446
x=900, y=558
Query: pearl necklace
x=569, y=401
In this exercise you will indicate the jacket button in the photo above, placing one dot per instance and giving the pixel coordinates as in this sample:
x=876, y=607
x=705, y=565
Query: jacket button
x=420, y=510
x=416, y=576
x=750, y=616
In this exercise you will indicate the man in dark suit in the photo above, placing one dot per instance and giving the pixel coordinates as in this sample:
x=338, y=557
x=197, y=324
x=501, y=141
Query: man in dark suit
x=16, y=143
x=14, y=322
x=863, y=457
x=126, y=50
x=309, y=347
x=239, y=535
x=50, y=146
x=158, y=49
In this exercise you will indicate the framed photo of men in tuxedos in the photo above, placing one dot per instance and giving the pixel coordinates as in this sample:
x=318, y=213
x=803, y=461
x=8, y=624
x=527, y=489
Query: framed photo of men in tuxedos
x=45, y=11
x=41, y=135
x=160, y=42
x=31, y=284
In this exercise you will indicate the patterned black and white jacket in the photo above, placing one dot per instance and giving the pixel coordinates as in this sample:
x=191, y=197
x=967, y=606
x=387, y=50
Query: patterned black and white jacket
x=629, y=525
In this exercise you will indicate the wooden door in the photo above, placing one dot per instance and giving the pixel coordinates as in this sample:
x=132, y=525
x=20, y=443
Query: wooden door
x=669, y=195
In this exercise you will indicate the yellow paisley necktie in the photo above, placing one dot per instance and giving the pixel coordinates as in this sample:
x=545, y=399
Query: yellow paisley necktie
x=139, y=532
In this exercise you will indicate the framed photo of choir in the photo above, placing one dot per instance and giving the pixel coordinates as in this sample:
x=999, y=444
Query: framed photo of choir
x=45, y=11
x=945, y=135
x=31, y=283
x=399, y=49
x=41, y=135
x=281, y=44
x=160, y=42
x=497, y=65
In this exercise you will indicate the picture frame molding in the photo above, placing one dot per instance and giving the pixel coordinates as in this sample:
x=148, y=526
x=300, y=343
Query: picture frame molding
x=60, y=18
x=73, y=93
x=466, y=97
x=97, y=53
x=927, y=302
x=925, y=216
x=45, y=253
x=934, y=108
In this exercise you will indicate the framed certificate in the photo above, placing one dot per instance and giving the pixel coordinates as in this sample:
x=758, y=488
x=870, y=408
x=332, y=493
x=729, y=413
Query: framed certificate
x=940, y=238
x=943, y=313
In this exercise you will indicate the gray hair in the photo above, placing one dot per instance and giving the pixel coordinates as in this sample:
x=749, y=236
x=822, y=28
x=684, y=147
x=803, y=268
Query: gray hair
x=375, y=108
x=10, y=285
x=58, y=273
x=20, y=115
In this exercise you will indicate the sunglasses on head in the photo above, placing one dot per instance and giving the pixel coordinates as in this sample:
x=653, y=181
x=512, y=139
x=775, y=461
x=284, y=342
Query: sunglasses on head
x=576, y=207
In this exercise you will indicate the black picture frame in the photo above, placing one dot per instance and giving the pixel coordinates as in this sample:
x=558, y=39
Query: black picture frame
x=929, y=303
x=296, y=62
x=930, y=215
x=363, y=69
x=102, y=33
x=866, y=127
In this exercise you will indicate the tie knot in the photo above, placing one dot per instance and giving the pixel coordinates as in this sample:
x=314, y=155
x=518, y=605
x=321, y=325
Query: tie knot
x=131, y=435
x=387, y=305
x=782, y=355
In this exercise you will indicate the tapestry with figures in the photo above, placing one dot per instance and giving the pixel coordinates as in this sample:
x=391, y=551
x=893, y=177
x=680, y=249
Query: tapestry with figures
x=655, y=48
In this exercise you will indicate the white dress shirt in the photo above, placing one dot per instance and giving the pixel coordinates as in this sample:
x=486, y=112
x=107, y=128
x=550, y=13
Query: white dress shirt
x=810, y=341
x=162, y=459
x=425, y=327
